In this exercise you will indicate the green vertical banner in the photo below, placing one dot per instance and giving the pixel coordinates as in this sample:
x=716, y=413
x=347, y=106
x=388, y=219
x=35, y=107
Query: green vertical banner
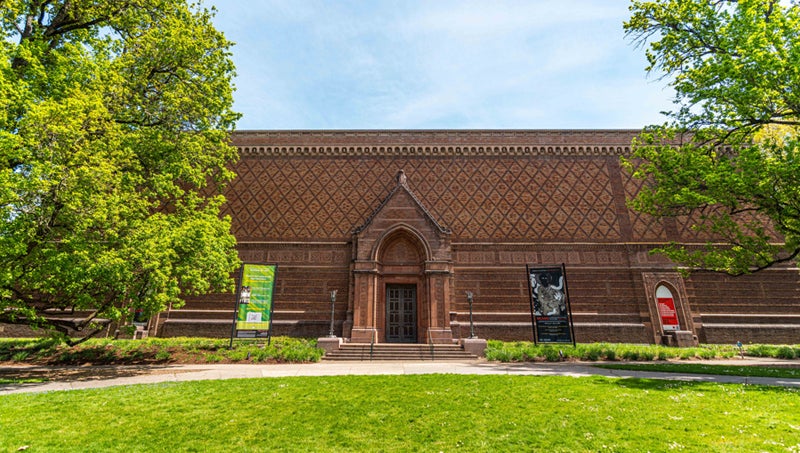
x=254, y=299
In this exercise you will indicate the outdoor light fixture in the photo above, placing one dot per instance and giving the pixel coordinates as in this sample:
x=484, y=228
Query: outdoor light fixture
x=333, y=300
x=471, y=325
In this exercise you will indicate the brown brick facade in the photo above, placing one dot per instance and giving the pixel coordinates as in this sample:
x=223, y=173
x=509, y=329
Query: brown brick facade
x=468, y=212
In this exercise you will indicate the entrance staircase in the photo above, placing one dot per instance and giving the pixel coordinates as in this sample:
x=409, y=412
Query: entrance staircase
x=399, y=351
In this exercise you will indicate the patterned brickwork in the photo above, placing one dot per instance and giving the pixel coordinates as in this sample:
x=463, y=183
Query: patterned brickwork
x=483, y=185
x=645, y=227
x=680, y=228
x=478, y=198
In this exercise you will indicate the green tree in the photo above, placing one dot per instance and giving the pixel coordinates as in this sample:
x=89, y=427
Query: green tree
x=727, y=163
x=114, y=147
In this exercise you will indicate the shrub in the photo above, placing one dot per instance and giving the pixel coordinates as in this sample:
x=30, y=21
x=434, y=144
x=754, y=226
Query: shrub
x=509, y=351
x=551, y=354
x=785, y=352
x=707, y=354
x=593, y=354
x=647, y=354
x=260, y=355
x=499, y=355
x=20, y=356
x=630, y=354
x=760, y=350
x=33, y=348
x=240, y=354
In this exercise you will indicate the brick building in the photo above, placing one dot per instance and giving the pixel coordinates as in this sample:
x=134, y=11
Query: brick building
x=403, y=223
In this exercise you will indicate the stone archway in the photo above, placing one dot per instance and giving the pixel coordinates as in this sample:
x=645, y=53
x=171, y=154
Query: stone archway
x=400, y=253
x=401, y=316
x=400, y=260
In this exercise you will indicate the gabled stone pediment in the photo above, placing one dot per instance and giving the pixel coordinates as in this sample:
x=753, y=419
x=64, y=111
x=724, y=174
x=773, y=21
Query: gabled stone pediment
x=402, y=195
x=401, y=210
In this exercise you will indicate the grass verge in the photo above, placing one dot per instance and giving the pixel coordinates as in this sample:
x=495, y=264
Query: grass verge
x=407, y=413
x=103, y=351
x=525, y=351
x=699, y=368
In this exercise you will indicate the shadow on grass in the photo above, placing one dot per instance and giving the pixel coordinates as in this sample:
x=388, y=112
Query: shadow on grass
x=81, y=373
x=53, y=352
x=651, y=384
x=32, y=376
x=657, y=384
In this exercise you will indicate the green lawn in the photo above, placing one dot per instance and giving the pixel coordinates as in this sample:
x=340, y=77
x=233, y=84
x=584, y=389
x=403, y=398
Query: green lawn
x=407, y=413
x=699, y=368
x=525, y=351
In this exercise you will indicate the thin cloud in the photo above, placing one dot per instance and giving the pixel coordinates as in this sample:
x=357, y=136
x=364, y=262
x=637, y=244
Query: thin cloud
x=311, y=65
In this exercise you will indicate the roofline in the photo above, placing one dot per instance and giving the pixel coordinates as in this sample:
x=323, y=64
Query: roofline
x=434, y=142
x=412, y=131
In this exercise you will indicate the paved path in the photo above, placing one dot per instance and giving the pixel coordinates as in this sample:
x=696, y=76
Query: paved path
x=97, y=377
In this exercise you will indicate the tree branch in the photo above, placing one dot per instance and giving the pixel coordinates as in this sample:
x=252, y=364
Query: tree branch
x=773, y=262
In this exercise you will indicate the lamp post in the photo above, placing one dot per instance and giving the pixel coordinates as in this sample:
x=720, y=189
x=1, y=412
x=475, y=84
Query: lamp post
x=471, y=325
x=333, y=300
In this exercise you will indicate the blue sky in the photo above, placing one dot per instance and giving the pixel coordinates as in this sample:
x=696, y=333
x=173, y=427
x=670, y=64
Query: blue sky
x=438, y=64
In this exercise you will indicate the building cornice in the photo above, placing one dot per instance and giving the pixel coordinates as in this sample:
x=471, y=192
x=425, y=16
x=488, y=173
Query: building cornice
x=433, y=143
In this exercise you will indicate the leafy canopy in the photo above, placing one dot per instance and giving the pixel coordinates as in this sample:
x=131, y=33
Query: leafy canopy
x=728, y=162
x=114, y=127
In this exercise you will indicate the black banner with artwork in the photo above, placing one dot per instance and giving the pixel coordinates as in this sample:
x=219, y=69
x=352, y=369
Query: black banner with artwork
x=551, y=314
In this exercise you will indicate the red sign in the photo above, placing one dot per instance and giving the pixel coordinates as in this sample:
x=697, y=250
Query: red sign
x=669, y=317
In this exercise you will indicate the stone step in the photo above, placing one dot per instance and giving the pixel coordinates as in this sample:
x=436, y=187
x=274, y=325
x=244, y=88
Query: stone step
x=207, y=305
x=67, y=313
x=183, y=313
x=763, y=318
x=226, y=314
x=400, y=358
x=406, y=352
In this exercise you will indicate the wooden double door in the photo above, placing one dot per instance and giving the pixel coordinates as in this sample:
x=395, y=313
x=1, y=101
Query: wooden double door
x=401, y=313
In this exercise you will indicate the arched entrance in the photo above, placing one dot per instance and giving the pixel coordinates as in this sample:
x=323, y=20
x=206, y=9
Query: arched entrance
x=401, y=274
x=401, y=256
x=395, y=302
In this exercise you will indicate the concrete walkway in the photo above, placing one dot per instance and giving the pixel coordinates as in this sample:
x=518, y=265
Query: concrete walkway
x=107, y=376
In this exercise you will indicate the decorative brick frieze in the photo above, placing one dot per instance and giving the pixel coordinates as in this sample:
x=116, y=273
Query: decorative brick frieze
x=429, y=138
x=432, y=151
x=477, y=198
